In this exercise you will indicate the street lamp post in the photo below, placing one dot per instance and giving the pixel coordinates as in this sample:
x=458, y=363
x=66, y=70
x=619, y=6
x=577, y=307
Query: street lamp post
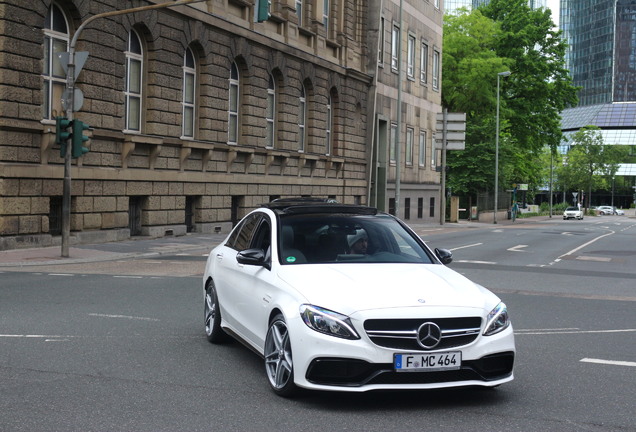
x=500, y=74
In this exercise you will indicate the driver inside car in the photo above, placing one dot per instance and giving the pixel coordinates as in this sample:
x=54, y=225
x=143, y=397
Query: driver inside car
x=358, y=242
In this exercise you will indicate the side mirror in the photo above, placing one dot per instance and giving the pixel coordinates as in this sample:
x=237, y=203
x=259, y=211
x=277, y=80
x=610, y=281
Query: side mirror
x=444, y=255
x=255, y=257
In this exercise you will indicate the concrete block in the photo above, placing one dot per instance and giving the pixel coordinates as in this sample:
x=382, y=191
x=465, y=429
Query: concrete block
x=82, y=204
x=122, y=203
x=9, y=187
x=9, y=225
x=40, y=205
x=92, y=221
x=139, y=188
x=114, y=188
x=30, y=187
x=105, y=204
x=15, y=206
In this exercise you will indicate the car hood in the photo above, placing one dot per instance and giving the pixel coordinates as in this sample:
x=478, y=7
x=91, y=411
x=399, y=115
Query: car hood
x=349, y=288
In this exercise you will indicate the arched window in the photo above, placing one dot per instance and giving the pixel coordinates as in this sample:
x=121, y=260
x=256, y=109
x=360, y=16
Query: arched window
x=302, y=118
x=134, y=82
x=233, y=123
x=56, y=38
x=270, y=113
x=328, y=129
x=189, y=94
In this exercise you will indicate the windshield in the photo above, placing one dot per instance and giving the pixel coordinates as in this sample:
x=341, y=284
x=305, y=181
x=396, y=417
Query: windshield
x=347, y=238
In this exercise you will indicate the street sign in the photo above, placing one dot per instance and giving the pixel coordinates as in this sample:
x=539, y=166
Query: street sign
x=80, y=59
x=78, y=99
x=455, y=131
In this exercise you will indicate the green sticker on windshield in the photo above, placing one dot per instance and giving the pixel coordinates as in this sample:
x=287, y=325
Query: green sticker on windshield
x=291, y=259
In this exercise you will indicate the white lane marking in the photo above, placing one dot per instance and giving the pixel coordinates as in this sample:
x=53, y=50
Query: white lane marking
x=475, y=262
x=34, y=336
x=546, y=332
x=586, y=244
x=60, y=274
x=129, y=277
x=516, y=248
x=591, y=258
x=609, y=362
x=467, y=246
x=123, y=316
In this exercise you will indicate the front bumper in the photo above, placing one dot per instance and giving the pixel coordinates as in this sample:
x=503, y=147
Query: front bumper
x=324, y=362
x=358, y=373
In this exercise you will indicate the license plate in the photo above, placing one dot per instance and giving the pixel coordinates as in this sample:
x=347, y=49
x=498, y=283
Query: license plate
x=427, y=362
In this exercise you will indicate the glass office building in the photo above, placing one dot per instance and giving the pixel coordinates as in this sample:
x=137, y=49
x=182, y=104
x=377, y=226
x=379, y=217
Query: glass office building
x=601, y=57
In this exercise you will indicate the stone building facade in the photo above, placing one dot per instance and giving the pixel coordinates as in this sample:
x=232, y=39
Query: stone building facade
x=199, y=112
x=413, y=150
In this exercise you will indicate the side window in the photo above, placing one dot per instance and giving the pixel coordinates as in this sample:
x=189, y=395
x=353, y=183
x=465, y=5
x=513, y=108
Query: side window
x=263, y=236
x=242, y=235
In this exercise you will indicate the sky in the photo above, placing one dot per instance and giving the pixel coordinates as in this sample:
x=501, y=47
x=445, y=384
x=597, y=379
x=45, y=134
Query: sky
x=554, y=6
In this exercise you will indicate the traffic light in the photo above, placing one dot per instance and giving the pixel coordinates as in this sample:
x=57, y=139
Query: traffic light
x=62, y=134
x=78, y=138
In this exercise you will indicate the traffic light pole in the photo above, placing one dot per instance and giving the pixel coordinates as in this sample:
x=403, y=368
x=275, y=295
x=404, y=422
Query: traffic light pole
x=66, y=191
x=69, y=108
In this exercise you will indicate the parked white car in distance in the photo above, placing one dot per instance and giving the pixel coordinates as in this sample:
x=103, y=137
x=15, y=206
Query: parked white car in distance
x=606, y=210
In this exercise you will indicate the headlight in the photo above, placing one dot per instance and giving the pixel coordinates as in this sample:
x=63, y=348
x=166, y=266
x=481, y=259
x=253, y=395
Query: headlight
x=328, y=322
x=497, y=320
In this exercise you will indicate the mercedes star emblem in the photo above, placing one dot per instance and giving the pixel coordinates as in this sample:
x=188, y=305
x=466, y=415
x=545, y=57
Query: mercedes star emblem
x=429, y=335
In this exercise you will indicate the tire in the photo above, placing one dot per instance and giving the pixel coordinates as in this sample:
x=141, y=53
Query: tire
x=212, y=313
x=278, y=358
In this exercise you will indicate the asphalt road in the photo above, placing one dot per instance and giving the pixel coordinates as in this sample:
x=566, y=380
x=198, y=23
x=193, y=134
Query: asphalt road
x=120, y=346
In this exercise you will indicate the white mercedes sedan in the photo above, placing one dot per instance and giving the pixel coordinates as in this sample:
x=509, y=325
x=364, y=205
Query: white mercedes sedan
x=346, y=298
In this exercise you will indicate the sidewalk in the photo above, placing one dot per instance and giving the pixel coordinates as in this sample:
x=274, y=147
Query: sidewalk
x=148, y=247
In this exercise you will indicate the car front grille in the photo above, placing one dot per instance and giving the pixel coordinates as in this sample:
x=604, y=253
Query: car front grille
x=357, y=373
x=402, y=333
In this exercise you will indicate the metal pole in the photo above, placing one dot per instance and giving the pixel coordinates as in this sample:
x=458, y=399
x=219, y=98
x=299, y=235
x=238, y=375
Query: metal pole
x=373, y=98
x=70, y=89
x=500, y=74
x=442, y=213
x=551, y=174
x=398, y=157
x=494, y=217
x=66, y=189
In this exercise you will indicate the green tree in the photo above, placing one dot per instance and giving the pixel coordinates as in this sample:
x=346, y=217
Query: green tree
x=505, y=35
x=540, y=86
x=469, y=61
x=589, y=162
